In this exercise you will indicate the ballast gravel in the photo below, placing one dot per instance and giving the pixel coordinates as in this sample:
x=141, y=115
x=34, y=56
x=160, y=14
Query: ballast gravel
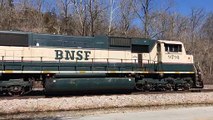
x=102, y=102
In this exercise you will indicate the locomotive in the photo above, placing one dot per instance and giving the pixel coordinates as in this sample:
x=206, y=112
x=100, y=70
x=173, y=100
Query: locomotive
x=65, y=64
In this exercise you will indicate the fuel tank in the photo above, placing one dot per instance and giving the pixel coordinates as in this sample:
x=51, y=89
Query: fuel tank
x=82, y=85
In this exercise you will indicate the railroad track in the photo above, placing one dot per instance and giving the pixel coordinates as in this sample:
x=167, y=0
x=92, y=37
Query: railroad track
x=40, y=94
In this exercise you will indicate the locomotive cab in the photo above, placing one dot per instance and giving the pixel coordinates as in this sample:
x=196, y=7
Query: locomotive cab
x=173, y=52
x=173, y=58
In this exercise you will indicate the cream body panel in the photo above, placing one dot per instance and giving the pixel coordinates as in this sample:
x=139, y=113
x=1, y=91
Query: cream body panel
x=2, y=52
x=49, y=54
x=11, y=53
x=175, y=57
x=117, y=56
x=99, y=55
x=151, y=57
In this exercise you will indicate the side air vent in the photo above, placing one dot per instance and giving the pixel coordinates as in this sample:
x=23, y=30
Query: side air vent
x=11, y=39
x=140, y=49
x=120, y=42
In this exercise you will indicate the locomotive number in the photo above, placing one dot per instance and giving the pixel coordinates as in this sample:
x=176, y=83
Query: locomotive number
x=72, y=55
x=173, y=57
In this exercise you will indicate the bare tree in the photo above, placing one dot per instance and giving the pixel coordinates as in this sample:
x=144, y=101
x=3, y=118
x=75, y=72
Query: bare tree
x=112, y=9
x=2, y=4
x=7, y=16
x=127, y=15
x=95, y=9
x=207, y=27
x=10, y=2
x=196, y=18
x=142, y=9
x=80, y=8
x=64, y=6
x=38, y=5
x=50, y=22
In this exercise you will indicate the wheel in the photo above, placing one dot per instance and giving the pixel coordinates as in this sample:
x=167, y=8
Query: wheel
x=15, y=90
x=148, y=87
x=139, y=87
x=187, y=86
x=175, y=88
x=168, y=87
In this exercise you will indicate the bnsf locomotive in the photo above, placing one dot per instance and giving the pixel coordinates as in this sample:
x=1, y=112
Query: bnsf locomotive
x=65, y=64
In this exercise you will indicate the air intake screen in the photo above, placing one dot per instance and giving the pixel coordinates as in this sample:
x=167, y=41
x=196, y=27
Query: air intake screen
x=11, y=39
x=120, y=42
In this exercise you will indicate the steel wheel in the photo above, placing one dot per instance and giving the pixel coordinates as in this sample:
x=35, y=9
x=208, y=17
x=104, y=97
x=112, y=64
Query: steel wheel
x=15, y=90
x=187, y=86
x=139, y=87
x=168, y=87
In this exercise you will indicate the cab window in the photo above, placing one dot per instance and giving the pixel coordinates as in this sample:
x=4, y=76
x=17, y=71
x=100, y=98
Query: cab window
x=173, y=47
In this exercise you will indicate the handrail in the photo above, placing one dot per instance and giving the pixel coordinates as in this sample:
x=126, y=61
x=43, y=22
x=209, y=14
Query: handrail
x=51, y=59
x=110, y=62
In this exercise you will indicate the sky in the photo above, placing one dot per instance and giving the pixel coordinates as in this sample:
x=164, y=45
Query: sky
x=184, y=6
x=180, y=6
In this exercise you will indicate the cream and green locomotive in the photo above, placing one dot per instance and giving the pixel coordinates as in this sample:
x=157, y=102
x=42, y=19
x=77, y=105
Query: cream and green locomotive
x=69, y=64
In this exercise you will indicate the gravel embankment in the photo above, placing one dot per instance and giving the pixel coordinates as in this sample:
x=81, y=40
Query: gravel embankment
x=208, y=86
x=101, y=102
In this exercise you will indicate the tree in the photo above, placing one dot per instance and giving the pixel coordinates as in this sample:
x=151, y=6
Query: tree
x=7, y=15
x=95, y=10
x=66, y=24
x=127, y=16
x=39, y=4
x=196, y=19
x=113, y=7
x=50, y=22
x=93, y=13
x=10, y=3
x=81, y=16
x=207, y=56
x=142, y=9
x=207, y=27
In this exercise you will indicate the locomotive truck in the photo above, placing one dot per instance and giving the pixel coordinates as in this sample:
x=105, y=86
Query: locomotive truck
x=65, y=64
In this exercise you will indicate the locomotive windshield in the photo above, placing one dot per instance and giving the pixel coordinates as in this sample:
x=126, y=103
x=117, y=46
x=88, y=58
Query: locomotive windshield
x=173, y=47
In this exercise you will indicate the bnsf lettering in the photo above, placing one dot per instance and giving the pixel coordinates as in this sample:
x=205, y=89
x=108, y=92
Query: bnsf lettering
x=72, y=55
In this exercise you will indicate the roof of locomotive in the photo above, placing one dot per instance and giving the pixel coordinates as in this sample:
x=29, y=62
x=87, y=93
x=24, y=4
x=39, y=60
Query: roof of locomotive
x=170, y=42
x=101, y=42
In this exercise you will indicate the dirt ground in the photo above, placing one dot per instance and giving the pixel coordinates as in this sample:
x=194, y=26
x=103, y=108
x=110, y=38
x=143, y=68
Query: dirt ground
x=179, y=112
x=193, y=113
x=208, y=86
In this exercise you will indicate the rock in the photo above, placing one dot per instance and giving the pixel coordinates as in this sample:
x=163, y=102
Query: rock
x=100, y=102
